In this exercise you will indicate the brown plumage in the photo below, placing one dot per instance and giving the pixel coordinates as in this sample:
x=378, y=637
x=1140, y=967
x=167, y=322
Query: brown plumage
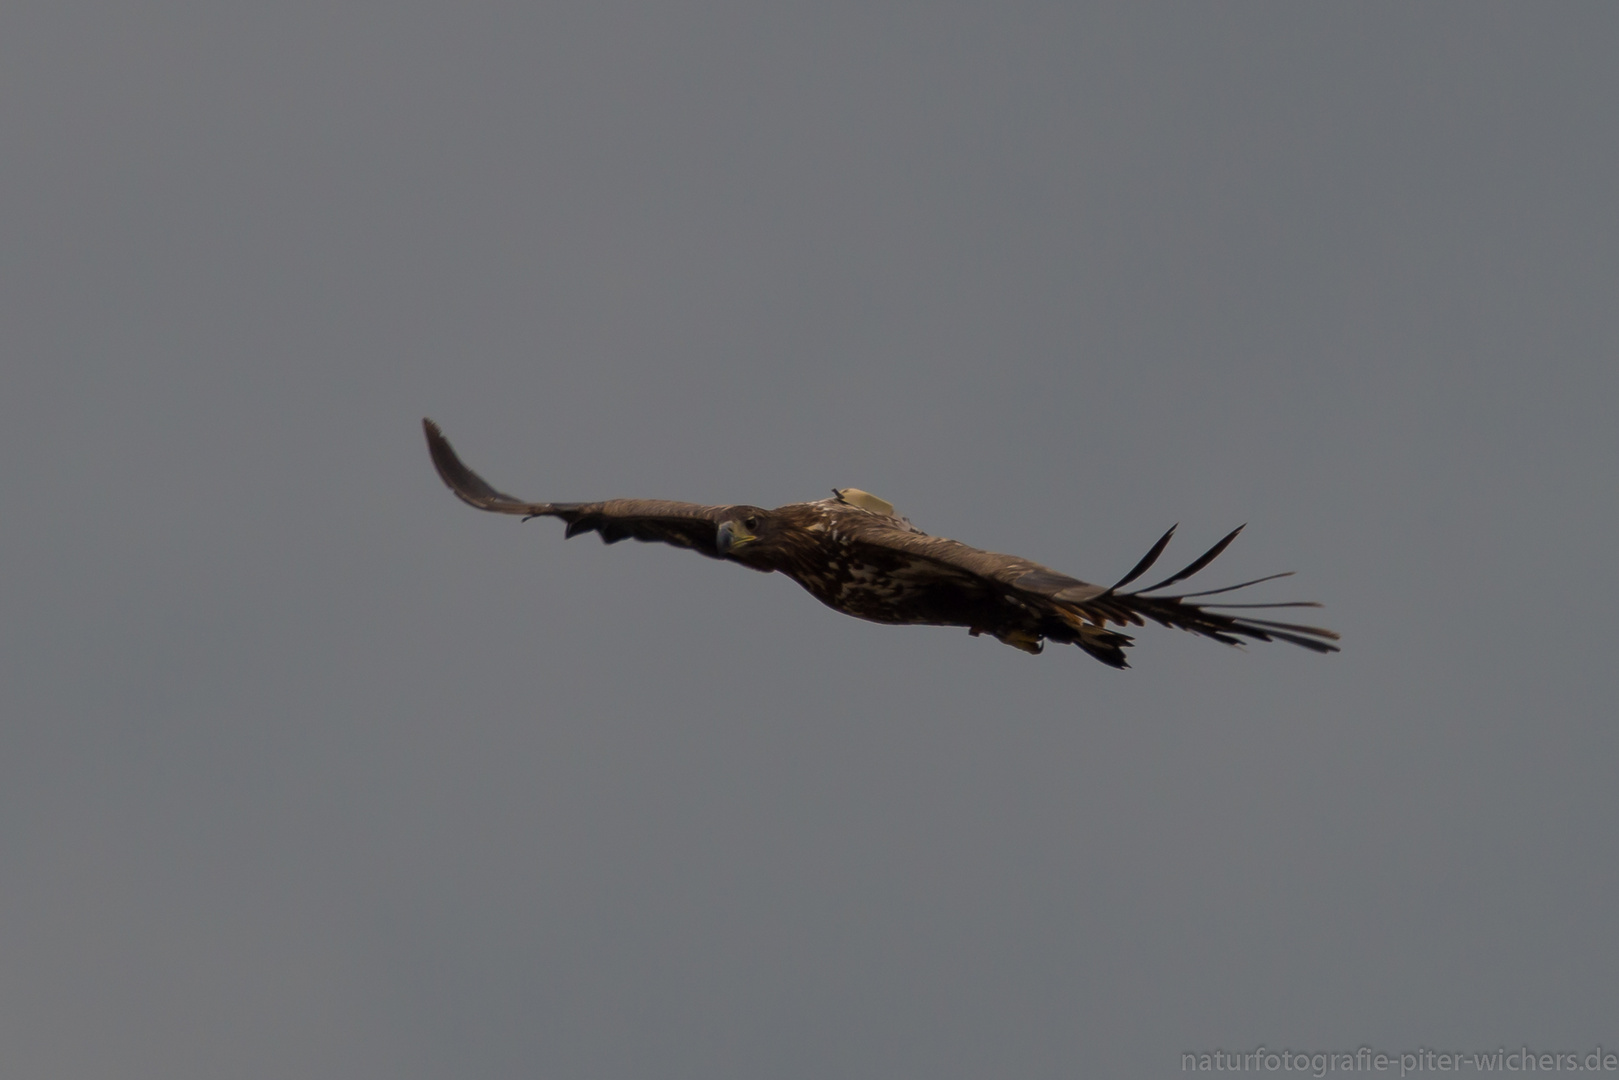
x=854, y=554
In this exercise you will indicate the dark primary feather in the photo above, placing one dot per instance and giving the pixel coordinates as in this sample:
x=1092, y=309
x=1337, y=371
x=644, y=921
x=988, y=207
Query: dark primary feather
x=1146, y=560
x=856, y=556
x=1199, y=563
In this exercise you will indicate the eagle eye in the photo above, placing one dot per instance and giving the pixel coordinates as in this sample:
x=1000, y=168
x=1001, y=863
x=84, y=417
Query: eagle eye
x=750, y=522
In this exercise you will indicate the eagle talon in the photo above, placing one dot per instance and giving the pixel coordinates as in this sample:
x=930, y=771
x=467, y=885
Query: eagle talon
x=1033, y=644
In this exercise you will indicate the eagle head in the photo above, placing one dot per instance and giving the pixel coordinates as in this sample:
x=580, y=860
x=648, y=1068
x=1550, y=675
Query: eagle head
x=746, y=537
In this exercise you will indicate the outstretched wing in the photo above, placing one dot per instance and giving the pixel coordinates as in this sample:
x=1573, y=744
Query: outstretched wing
x=951, y=574
x=687, y=525
x=1103, y=606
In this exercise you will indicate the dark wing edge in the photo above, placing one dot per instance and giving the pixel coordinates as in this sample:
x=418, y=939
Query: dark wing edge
x=687, y=525
x=468, y=486
x=1207, y=619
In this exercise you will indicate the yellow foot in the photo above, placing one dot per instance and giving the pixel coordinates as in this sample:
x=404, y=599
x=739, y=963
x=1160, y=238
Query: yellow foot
x=1022, y=639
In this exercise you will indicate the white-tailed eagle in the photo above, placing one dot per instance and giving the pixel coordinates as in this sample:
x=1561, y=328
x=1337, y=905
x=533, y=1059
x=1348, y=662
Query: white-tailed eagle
x=855, y=555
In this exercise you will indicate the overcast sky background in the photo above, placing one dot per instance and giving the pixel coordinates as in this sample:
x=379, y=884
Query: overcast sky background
x=306, y=769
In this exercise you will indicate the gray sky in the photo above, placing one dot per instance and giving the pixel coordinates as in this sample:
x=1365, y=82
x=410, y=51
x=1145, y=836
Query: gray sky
x=307, y=769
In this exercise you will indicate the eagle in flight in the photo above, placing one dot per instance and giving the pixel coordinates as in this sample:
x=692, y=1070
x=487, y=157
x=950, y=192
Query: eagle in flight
x=855, y=555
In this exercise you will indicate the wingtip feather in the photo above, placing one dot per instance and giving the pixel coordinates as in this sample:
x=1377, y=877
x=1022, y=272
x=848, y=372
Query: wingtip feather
x=467, y=485
x=1146, y=560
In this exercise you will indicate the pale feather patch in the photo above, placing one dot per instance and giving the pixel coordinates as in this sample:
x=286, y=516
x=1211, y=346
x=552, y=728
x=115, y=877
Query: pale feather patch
x=865, y=500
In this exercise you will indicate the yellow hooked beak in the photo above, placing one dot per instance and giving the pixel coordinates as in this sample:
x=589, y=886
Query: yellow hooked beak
x=732, y=535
